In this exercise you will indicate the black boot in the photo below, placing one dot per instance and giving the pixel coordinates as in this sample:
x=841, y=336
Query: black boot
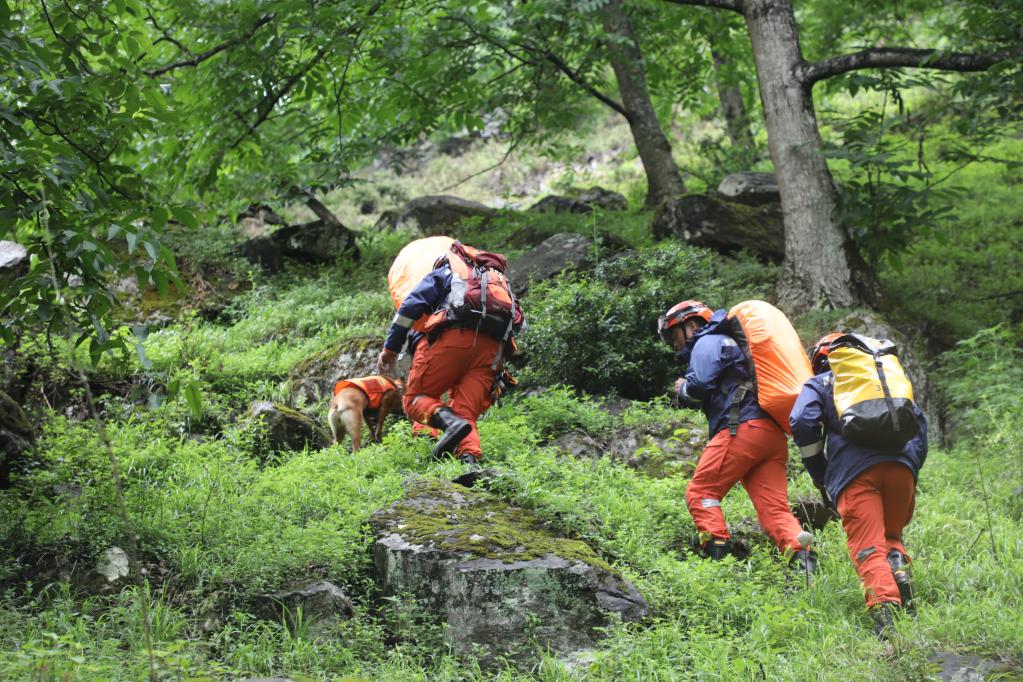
x=473, y=471
x=717, y=548
x=899, y=563
x=454, y=427
x=883, y=616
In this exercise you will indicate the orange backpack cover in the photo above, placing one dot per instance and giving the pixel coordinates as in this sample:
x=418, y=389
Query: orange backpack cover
x=413, y=263
x=780, y=367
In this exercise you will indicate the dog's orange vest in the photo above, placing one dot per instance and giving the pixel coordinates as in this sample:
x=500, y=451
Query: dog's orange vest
x=374, y=387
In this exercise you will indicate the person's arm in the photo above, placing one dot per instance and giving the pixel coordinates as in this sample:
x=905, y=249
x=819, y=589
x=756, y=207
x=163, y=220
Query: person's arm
x=807, y=422
x=425, y=298
x=705, y=366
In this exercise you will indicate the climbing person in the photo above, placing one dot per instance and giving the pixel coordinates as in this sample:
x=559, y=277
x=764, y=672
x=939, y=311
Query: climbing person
x=746, y=445
x=471, y=318
x=865, y=453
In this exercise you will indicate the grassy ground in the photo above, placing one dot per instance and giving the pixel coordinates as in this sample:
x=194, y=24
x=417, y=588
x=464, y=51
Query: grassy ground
x=220, y=521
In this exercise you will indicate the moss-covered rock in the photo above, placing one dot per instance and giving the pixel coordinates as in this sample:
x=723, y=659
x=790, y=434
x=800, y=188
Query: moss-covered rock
x=16, y=435
x=500, y=581
x=713, y=221
x=286, y=428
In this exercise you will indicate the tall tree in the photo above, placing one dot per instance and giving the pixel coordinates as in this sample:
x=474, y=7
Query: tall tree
x=821, y=267
x=664, y=181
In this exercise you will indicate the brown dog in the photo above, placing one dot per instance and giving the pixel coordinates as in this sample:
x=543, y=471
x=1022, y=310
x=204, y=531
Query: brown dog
x=366, y=398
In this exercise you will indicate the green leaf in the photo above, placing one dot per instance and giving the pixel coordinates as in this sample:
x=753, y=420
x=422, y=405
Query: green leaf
x=193, y=397
x=132, y=239
x=160, y=216
x=185, y=217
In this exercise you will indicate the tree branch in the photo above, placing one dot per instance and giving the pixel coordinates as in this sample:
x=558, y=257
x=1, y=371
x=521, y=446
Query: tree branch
x=581, y=82
x=730, y=5
x=888, y=57
x=213, y=51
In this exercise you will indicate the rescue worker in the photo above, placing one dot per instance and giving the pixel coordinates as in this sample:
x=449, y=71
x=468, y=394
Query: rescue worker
x=875, y=489
x=746, y=446
x=461, y=358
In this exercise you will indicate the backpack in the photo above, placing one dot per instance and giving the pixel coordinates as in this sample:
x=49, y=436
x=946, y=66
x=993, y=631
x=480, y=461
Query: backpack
x=481, y=296
x=873, y=396
x=775, y=357
x=411, y=264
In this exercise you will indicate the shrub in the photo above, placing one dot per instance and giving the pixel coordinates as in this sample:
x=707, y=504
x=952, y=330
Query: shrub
x=596, y=331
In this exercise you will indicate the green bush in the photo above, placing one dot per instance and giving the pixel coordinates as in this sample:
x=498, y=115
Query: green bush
x=596, y=331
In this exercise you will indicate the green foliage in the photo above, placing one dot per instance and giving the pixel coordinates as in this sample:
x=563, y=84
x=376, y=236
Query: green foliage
x=75, y=108
x=597, y=331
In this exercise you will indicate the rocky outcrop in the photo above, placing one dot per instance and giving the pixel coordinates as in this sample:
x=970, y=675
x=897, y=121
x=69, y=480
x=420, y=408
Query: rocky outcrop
x=582, y=201
x=752, y=189
x=501, y=582
x=564, y=251
x=313, y=378
x=434, y=215
x=258, y=220
x=319, y=241
x=659, y=450
x=286, y=428
x=711, y=220
x=322, y=605
x=17, y=434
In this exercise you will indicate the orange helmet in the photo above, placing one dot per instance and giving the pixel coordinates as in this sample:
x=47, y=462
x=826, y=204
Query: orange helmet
x=678, y=314
x=820, y=352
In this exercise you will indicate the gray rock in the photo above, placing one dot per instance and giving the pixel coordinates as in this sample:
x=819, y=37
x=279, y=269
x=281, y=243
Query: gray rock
x=113, y=566
x=750, y=188
x=712, y=221
x=257, y=221
x=17, y=435
x=265, y=253
x=287, y=428
x=564, y=251
x=313, y=379
x=500, y=581
x=658, y=450
x=582, y=201
x=13, y=259
x=957, y=668
x=434, y=215
x=811, y=511
x=319, y=241
x=322, y=605
x=913, y=357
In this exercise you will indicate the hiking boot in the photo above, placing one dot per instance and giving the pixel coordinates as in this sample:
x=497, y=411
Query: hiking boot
x=455, y=430
x=473, y=471
x=803, y=561
x=717, y=548
x=899, y=563
x=883, y=616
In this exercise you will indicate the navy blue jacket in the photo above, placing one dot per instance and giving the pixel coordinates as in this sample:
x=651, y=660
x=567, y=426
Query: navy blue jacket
x=428, y=296
x=814, y=419
x=717, y=367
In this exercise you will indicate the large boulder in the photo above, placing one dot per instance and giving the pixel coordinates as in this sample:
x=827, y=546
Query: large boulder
x=501, y=582
x=13, y=259
x=433, y=215
x=711, y=220
x=582, y=201
x=561, y=252
x=913, y=357
x=753, y=189
x=319, y=241
x=660, y=450
x=258, y=220
x=322, y=605
x=17, y=434
x=313, y=378
x=285, y=427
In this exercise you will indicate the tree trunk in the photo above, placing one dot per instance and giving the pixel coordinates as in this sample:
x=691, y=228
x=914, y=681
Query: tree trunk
x=732, y=106
x=817, y=271
x=662, y=175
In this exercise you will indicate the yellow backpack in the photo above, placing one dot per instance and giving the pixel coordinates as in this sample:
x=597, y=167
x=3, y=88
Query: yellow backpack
x=873, y=396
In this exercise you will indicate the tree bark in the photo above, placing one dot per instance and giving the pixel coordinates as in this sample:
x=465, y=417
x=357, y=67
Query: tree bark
x=733, y=108
x=664, y=181
x=817, y=271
